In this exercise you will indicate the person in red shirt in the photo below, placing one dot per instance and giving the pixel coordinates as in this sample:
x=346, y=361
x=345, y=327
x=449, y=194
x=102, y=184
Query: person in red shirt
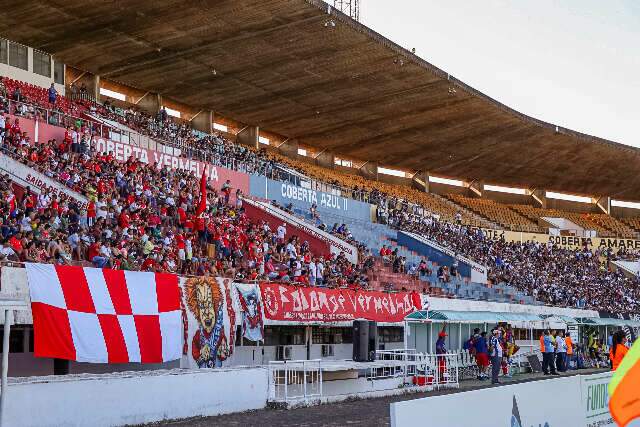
x=67, y=136
x=93, y=251
x=29, y=202
x=182, y=216
x=149, y=264
x=15, y=242
x=11, y=200
x=101, y=187
x=91, y=213
x=181, y=248
x=15, y=129
x=123, y=220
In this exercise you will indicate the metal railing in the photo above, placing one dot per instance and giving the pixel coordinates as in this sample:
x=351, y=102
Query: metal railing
x=419, y=369
x=297, y=380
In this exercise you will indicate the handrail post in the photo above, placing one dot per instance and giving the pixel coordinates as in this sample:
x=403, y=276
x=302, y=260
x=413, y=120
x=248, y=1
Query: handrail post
x=304, y=379
x=8, y=319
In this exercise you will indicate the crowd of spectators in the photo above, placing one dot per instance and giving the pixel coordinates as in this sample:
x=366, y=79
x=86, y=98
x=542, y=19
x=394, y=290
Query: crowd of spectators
x=141, y=217
x=555, y=275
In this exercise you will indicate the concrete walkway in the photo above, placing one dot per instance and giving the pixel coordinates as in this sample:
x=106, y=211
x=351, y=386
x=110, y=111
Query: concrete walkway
x=367, y=412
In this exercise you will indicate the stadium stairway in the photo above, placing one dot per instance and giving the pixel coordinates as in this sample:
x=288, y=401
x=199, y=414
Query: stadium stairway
x=375, y=235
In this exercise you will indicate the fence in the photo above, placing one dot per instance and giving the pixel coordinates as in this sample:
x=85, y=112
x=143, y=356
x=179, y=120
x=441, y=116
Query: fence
x=297, y=380
x=392, y=372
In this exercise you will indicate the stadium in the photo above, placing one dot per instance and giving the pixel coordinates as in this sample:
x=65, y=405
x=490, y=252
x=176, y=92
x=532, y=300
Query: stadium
x=267, y=213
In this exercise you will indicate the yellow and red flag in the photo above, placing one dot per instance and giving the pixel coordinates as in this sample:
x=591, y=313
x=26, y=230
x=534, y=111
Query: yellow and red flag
x=624, y=388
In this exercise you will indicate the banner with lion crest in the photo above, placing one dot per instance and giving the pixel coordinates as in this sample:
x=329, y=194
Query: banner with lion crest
x=208, y=320
x=212, y=308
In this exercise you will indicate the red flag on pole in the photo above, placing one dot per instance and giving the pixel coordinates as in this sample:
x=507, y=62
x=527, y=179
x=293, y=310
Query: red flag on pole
x=202, y=206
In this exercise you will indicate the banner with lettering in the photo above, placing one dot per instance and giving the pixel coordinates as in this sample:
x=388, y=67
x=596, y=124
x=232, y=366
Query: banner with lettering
x=567, y=242
x=292, y=303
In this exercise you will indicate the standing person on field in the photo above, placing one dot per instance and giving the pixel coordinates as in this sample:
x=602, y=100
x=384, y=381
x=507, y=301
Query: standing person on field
x=561, y=352
x=495, y=350
x=441, y=350
x=548, y=364
x=569, y=344
x=618, y=349
x=482, y=355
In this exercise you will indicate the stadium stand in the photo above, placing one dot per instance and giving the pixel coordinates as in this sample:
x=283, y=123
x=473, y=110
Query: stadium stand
x=633, y=223
x=614, y=226
x=497, y=213
x=141, y=217
x=389, y=197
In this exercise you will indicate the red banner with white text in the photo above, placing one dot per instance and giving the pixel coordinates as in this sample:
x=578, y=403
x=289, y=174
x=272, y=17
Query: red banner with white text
x=293, y=303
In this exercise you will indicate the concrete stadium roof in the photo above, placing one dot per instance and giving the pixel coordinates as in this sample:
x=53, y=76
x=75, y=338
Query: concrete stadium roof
x=343, y=88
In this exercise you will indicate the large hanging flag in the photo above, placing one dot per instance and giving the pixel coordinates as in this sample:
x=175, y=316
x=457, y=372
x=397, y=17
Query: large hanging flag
x=105, y=316
x=624, y=392
x=202, y=205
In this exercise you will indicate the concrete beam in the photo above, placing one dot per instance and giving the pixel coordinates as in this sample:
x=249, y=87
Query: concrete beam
x=604, y=204
x=476, y=188
x=248, y=136
x=203, y=121
x=539, y=197
x=420, y=181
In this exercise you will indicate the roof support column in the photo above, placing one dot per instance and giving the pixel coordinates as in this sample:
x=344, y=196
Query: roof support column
x=248, y=136
x=369, y=170
x=289, y=148
x=203, y=121
x=326, y=159
x=90, y=82
x=150, y=102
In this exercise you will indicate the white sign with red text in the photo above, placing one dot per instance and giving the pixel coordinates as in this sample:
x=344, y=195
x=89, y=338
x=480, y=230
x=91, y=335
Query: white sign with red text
x=39, y=182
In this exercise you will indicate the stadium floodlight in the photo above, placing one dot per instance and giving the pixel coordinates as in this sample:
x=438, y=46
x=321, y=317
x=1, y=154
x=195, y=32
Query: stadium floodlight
x=348, y=7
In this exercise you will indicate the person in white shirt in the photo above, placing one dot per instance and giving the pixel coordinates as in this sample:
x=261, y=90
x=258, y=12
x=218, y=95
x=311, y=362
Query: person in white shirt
x=44, y=200
x=101, y=209
x=282, y=232
x=320, y=272
x=291, y=250
x=495, y=352
x=297, y=267
x=2, y=126
x=312, y=272
x=561, y=352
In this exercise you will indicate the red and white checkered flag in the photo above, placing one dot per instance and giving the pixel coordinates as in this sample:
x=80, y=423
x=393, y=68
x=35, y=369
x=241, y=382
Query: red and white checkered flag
x=105, y=316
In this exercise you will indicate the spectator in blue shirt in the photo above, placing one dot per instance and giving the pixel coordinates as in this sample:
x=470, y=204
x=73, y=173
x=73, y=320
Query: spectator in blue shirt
x=53, y=95
x=548, y=355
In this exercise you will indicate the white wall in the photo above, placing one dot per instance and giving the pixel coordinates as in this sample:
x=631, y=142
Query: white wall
x=566, y=401
x=29, y=76
x=134, y=398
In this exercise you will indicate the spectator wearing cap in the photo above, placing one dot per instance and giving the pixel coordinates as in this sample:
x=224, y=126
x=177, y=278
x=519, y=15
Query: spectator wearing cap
x=441, y=350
